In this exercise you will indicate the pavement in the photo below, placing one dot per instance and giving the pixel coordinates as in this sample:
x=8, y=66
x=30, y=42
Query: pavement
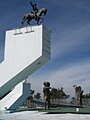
x=35, y=115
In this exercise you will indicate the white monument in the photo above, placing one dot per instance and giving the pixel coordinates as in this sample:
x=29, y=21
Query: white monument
x=26, y=50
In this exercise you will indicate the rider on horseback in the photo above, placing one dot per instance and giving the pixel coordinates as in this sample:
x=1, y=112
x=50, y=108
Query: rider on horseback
x=34, y=9
x=36, y=14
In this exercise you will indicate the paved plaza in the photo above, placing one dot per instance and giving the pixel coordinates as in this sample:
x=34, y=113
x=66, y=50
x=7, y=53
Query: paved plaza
x=35, y=115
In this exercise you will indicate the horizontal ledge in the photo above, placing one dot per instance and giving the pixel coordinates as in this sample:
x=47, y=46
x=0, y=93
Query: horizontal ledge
x=29, y=31
x=18, y=33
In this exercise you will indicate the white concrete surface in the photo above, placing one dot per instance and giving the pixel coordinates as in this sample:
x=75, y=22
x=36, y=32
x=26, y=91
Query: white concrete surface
x=23, y=47
x=26, y=50
x=16, y=97
x=31, y=115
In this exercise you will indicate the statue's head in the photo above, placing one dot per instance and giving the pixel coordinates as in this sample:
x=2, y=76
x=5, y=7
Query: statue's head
x=46, y=84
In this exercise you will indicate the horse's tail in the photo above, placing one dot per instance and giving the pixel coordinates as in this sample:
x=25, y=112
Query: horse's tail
x=23, y=20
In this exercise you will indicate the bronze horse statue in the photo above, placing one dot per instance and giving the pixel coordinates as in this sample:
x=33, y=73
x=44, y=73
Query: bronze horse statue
x=29, y=16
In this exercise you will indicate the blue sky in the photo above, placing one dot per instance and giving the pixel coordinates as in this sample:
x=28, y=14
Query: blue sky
x=69, y=21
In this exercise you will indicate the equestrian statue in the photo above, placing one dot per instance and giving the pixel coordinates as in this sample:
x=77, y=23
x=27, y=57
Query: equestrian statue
x=36, y=14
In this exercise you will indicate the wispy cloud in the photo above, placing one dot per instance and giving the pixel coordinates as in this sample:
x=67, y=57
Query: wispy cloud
x=77, y=4
x=77, y=73
x=69, y=21
x=71, y=39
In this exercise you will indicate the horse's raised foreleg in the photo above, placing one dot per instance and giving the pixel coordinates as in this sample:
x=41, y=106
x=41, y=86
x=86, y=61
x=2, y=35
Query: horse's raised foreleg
x=38, y=20
x=42, y=20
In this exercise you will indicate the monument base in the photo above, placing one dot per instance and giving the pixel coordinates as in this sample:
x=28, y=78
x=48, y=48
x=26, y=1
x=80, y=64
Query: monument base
x=26, y=50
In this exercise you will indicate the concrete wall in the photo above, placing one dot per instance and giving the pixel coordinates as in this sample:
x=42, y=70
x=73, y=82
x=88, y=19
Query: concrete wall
x=26, y=50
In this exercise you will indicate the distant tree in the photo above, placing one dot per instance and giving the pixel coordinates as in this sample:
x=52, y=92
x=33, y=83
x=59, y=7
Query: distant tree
x=58, y=93
x=73, y=100
x=32, y=92
x=54, y=93
x=30, y=97
x=37, y=96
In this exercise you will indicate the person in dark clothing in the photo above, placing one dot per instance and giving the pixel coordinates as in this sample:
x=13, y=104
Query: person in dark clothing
x=46, y=91
x=34, y=9
x=81, y=97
